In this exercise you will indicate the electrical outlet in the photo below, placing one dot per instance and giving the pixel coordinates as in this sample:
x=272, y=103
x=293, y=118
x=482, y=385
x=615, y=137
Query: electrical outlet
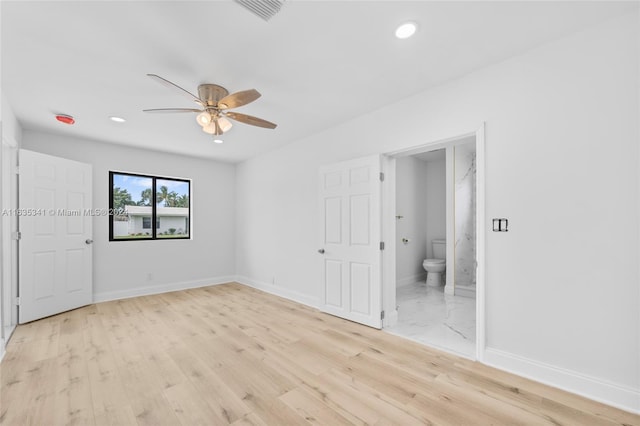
x=150, y=276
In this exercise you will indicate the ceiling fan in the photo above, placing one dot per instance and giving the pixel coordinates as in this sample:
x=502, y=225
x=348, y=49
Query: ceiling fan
x=215, y=101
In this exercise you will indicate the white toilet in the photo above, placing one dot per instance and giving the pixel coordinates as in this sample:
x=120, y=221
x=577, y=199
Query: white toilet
x=435, y=267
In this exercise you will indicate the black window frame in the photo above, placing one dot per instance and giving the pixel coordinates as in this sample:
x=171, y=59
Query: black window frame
x=154, y=218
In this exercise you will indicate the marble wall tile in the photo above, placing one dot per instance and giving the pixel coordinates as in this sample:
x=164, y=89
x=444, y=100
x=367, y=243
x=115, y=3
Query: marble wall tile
x=465, y=220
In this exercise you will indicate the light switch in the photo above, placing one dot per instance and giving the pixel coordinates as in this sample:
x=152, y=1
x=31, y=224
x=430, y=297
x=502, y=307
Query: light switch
x=500, y=225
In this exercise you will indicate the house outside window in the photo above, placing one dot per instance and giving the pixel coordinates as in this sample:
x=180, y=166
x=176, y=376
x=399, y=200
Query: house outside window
x=136, y=201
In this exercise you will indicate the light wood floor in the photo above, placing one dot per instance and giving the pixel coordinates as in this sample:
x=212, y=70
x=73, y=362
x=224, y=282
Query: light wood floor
x=232, y=354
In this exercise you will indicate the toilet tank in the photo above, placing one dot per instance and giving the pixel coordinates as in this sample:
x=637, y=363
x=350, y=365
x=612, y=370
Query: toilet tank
x=439, y=249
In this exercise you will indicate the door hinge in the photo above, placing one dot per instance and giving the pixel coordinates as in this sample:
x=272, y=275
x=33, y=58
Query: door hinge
x=17, y=301
x=16, y=236
x=17, y=170
x=381, y=245
x=381, y=315
x=381, y=177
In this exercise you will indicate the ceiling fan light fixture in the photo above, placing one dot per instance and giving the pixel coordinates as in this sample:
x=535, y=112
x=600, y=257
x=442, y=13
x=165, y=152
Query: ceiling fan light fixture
x=225, y=124
x=214, y=100
x=203, y=118
x=210, y=128
x=218, y=141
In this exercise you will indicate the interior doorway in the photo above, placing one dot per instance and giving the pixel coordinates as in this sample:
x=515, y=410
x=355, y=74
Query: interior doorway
x=9, y=247
x=433, y=215
x=55, y=249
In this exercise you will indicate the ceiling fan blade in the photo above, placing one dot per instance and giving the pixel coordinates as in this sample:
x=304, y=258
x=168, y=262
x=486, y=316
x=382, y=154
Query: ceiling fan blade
x=248, y=119
x=169, y=84
x=238, y=99
x=169, y=110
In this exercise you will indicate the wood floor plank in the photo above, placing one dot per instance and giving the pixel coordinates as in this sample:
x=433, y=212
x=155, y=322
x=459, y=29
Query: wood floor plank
x=218, y=395
x=73, y=403
x=312, y=409
x=39, y=400
x=154, y=410
x=108, y=393
x=191, y=407
x=251, y=419
x=116, y=416
x=501, y=411
x=230, y=354
x=348, y=395
x=389, y=380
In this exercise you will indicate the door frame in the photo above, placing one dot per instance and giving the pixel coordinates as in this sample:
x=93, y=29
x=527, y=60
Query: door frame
x=389, y=229
x=9, y=246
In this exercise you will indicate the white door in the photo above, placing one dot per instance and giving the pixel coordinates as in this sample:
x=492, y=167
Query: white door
x=55, y=254
x=350, y=230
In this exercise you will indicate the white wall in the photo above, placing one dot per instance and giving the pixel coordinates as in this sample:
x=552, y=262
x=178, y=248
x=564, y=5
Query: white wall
x=122, y=268
x=436, y=219
x=562, y=164
x=11, y=129
x=411, y=204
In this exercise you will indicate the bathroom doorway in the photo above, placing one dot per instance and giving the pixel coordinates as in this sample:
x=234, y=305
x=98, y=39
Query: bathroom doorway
x=433, y=265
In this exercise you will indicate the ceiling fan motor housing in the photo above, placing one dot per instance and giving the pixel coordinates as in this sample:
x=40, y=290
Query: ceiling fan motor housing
x=211, y=93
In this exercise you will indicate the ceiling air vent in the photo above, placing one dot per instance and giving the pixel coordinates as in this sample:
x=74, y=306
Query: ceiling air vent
x=264, y=9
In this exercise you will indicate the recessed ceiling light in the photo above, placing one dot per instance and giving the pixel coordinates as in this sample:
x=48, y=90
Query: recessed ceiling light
x=218, y=140
x=117, y=119
x=406, y=30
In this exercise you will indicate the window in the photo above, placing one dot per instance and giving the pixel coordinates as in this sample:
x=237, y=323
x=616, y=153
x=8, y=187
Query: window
x=146, y=222
x=136, y=201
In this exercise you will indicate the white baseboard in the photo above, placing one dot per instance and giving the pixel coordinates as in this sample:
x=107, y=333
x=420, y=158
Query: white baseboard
x=279, y=291
x=390, y=318
x=2, y=348
x=616, y=395
x=411, y=279
x=157, y=289
x=465, y=291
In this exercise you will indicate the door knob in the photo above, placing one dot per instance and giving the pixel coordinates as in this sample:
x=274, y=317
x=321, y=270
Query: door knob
x=88, y=241
x=321, y=251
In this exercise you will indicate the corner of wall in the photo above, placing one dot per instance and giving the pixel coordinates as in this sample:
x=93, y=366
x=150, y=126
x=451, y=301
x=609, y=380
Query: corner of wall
x=11, y=129
x=107, y=296
x=279, y=291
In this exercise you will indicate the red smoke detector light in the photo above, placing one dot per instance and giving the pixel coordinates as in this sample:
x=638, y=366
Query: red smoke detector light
x=66, y=119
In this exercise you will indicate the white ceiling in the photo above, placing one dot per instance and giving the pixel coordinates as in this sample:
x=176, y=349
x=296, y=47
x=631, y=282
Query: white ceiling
x=316, y=63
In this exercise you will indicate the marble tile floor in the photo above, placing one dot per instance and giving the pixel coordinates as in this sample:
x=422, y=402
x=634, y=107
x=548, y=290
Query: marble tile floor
x=427, y=315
